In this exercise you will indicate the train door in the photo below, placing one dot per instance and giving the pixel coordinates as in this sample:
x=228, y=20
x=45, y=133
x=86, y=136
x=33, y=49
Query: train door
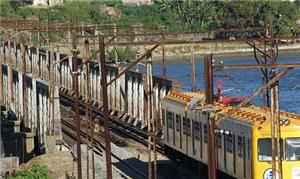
x=173, y=124
x=178, y=134
x=220, y=154
x=196, y=136
x=205, y=139
x=224, y=151
x=189, y=136
x=170, y=127
x=249, y=158
x=201, y=140
x=240, y=159
x=229, y=152
x=167, y=127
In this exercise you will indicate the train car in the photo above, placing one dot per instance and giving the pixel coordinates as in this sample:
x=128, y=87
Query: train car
x=243, y=140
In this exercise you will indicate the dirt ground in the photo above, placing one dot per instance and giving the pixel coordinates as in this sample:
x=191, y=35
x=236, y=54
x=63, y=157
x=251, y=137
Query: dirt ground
x=58, y=162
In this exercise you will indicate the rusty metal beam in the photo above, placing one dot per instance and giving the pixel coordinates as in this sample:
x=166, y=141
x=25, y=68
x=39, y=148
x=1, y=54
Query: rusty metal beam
x=255, y=48
x=105, y=106
x=88, y=60
x=164, y=66
x=1, y=83
x=193, y=70
x=87, y=108
x=133, y=64
x=149, y=91
x=254, y=29
x=197, y=41
x=209, y=100
x=256, y=66
x=208, y=79
x=255, y=94
x=77, y=113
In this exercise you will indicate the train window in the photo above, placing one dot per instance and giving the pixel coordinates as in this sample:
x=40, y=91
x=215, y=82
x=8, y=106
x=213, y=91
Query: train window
x=170, y=116
x=205, y=132
x=292, y=149
x=197, y=130
x=219, y=140
x=188, y=127
x=264, y=149
x=228, y=142
x=240, y=146
x=178, y=122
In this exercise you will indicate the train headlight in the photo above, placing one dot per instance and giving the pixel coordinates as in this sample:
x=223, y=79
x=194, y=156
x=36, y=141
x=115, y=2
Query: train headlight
x=227, y=132
x=281, y=122
x=286, y=122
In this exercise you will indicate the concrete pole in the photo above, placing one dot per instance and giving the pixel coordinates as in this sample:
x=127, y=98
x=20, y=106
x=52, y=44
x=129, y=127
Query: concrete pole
x=51, y=88
x=10, y=77
x=24, y=71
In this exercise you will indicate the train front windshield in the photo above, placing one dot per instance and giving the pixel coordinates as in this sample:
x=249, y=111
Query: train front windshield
x=265, y=149
x=292, y=149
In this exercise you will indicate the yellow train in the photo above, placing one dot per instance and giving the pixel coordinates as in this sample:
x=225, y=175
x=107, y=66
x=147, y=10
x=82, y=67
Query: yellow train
x=243, y=140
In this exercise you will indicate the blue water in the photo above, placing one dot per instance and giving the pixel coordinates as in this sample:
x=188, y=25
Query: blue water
x=240, y=82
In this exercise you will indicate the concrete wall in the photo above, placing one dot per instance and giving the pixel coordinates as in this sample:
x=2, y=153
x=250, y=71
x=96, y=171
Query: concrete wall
x=126, y=95
x=38, y=118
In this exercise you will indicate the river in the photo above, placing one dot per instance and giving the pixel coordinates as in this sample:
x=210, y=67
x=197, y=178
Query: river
x=239, y=82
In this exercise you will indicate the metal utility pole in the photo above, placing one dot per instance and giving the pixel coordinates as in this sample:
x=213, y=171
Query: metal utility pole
x=164, y=55
x=208, y=74
x=275, y=113
x=151, y=119
x=116, y=53
x=105, y=105
x=265, y=76
x=193, y=69
x=149, y=111
x=88, y=106
x=77, y=115
x=93, y=124
x=1, y=81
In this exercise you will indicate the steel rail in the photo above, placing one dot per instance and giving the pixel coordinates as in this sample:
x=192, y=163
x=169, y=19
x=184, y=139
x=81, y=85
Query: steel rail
x=118, y=126
x=100, y=147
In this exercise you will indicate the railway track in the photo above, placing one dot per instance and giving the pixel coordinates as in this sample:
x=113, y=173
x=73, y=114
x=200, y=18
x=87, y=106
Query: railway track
x=117, y=126
x=69, y=129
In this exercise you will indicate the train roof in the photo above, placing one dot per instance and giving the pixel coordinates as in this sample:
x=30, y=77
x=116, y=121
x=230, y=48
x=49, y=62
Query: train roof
x=255, y=115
